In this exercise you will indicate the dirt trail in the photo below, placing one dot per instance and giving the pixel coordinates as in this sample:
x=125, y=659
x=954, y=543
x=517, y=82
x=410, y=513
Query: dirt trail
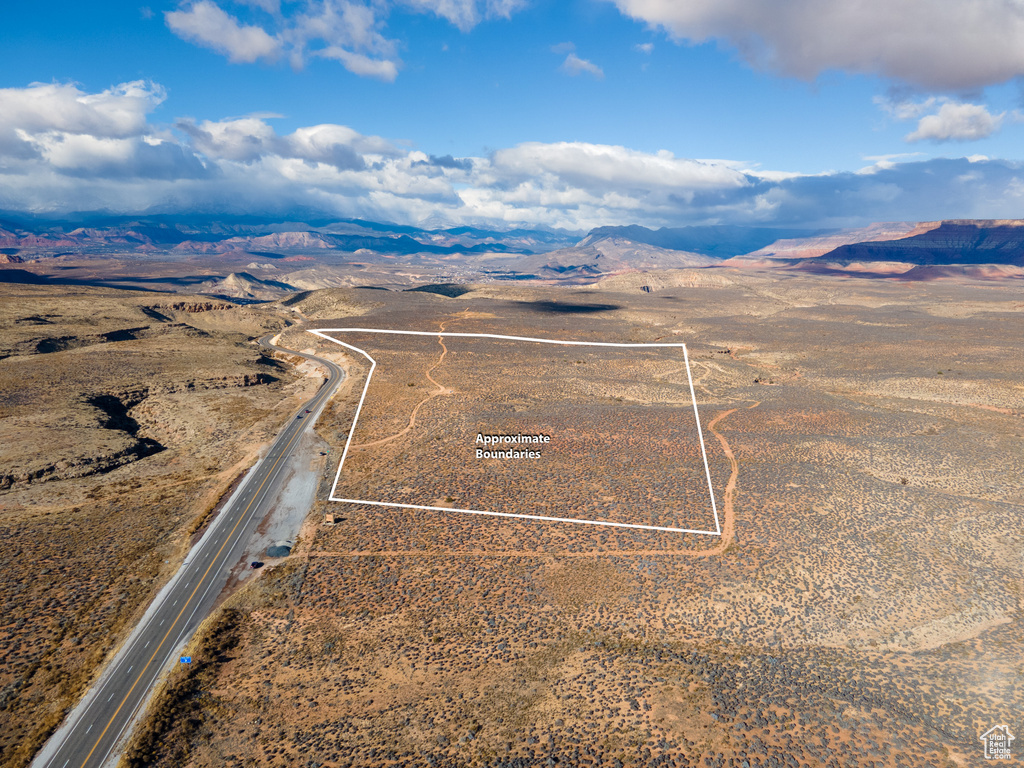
x=728, y=498
x=441, y=390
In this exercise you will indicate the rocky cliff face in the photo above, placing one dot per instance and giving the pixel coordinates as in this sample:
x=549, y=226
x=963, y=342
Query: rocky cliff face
x=819, y=245
x=943, y=243
x=193, y=307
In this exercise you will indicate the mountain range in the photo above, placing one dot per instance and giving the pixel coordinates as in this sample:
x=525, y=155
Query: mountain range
x=227, y=247
x=34, y=236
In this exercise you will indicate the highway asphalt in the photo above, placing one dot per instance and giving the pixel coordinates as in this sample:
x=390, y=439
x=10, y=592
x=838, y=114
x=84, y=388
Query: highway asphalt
x=94, y=728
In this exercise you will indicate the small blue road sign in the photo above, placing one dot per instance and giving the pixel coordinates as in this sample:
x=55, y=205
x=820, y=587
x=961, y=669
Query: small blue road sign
x=186, y=659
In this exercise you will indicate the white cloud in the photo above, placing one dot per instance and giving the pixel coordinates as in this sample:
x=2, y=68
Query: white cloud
x=242, y=140
x=466, y=14
x=64, y=149
x=892, y=156
x=943, y=119
x=603, y=166
x=885, y=162
x=351, y=32
x=906, y=109
x=116, y=112
x=503, y=9
x=957, y=122
x=346, y=31
x=206, y=24
x=360, y=64
x=574, y=65
x=249, y=139
x=942, y=45
x=46, y=119
x=647, y=48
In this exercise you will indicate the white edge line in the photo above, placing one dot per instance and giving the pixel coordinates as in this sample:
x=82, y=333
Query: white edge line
x=359, y=408
x=527, y=517
x=322, y=333
x=700, y=434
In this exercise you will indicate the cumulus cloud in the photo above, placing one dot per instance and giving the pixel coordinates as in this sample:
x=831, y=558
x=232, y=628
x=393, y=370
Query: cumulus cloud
x=351, y=32
x=64, y=149
x=957, y=122
x=206, y=24
x=940, y=45
x=116, y=112
x=75, y=131
x=361, y=64
x=248, y=139
x=943, y=119
x=647, y=48
x=348, y=32
x=600, y=165
x=90, y=157
x=574, y=65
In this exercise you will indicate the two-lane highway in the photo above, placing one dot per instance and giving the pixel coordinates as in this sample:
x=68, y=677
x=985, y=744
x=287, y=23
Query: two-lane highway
x=93, y=729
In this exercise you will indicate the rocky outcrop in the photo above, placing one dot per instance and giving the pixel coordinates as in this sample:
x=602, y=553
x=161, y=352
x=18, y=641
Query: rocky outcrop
x=68, y=469
x=136, y=396
x=193, y=307
x=49, y=344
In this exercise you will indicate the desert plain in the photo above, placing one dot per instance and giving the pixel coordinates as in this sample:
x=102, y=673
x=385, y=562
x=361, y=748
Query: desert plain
x=861, y=607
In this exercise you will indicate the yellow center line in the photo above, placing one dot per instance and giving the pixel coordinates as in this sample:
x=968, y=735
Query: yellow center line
x=164, y=639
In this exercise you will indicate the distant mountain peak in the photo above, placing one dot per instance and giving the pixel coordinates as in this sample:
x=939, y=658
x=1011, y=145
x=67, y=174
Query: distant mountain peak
x=718, y=240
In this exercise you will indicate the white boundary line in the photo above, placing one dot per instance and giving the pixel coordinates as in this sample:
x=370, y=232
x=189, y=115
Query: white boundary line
x=322, y=333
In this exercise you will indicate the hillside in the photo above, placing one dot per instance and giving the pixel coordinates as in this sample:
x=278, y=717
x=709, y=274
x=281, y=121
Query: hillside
x=719, y=241
x=944, y=243
x=819, y=245
x=603, y=257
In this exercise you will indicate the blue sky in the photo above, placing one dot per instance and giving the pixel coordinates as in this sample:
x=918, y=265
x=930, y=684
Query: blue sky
x=569, y=113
